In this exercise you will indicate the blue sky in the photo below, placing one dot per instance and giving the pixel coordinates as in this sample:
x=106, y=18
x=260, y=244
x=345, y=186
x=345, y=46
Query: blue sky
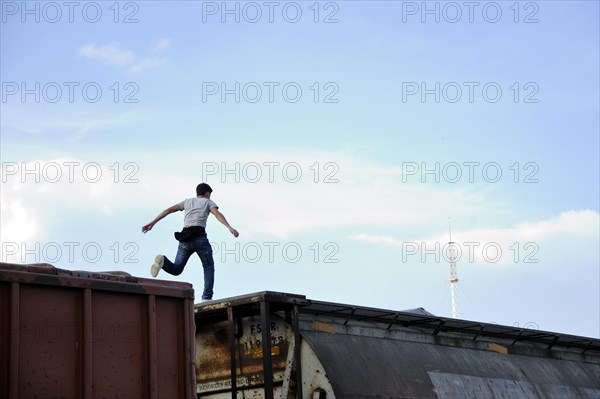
x=339, y=150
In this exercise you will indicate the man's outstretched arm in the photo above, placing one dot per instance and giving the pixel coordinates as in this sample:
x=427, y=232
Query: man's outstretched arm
x=169, y=210
x=221, y=218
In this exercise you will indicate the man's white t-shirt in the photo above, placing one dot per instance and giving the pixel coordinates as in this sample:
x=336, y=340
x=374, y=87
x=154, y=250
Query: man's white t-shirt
x=196, y=211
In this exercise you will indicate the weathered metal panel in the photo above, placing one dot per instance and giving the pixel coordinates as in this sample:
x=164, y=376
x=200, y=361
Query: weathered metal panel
x=361, y=367
x=353, y=352
x=213, y=359
x=233, y=327
x=213, y=355
x=174, y=367
x=119, y=341
x=448, y=385
x=92, y=335
x=315, y=381
x=49, y=362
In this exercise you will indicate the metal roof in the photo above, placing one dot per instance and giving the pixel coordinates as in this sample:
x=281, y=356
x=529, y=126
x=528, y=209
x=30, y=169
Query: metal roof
x=424, y=321
x=366, y=367
x=359, y=364
x=435, y=325
x=113, y=281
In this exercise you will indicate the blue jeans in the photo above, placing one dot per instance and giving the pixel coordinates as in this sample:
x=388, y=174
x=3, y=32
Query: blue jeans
x=201, y=246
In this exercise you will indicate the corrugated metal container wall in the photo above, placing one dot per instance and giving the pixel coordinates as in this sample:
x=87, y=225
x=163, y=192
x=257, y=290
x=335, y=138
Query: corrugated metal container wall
x=73, y=334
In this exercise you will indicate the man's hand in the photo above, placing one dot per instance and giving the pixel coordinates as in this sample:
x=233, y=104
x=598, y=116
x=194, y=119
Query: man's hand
x=221, y=218
x=147, y=227
x=171, y=209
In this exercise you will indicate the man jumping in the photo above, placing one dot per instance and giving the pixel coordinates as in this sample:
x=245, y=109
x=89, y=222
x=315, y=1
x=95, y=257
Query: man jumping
x=193, y=237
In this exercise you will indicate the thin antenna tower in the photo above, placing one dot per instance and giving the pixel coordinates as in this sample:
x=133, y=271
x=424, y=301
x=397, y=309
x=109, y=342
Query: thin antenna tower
x=453, y=279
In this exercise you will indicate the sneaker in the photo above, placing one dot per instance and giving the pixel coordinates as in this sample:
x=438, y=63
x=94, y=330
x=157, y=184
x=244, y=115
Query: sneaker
x=157, y=265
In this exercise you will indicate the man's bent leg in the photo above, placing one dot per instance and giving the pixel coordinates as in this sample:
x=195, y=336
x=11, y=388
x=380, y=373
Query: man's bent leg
x=183, y=254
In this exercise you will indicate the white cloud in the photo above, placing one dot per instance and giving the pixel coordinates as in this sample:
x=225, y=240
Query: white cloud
x=78, y=125
x=522, y=239
x=162, y=44
x=35, y=195
x=18, y=222
x=366, y=197
x=358, y=193
x=376, y=239
x=114, y=54
x=579, y=223
x=147, y=63
x=111, y=54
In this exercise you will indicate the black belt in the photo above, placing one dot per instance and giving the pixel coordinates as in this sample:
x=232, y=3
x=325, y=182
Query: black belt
x=189, y=233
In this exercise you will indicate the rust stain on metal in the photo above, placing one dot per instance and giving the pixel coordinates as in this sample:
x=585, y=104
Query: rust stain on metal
x=213, y=355
x=498, y=348
x=258, y=354
x=323, y=327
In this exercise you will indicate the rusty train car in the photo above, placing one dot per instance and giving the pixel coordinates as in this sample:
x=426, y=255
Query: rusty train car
x=75, y=334
x=316, y=350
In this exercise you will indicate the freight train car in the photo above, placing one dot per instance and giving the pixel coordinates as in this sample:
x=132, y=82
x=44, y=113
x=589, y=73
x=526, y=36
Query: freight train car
x=76, y=334
x=276, y=345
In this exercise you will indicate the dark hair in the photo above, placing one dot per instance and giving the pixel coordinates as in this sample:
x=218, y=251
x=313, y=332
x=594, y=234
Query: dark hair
x=203, y=188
